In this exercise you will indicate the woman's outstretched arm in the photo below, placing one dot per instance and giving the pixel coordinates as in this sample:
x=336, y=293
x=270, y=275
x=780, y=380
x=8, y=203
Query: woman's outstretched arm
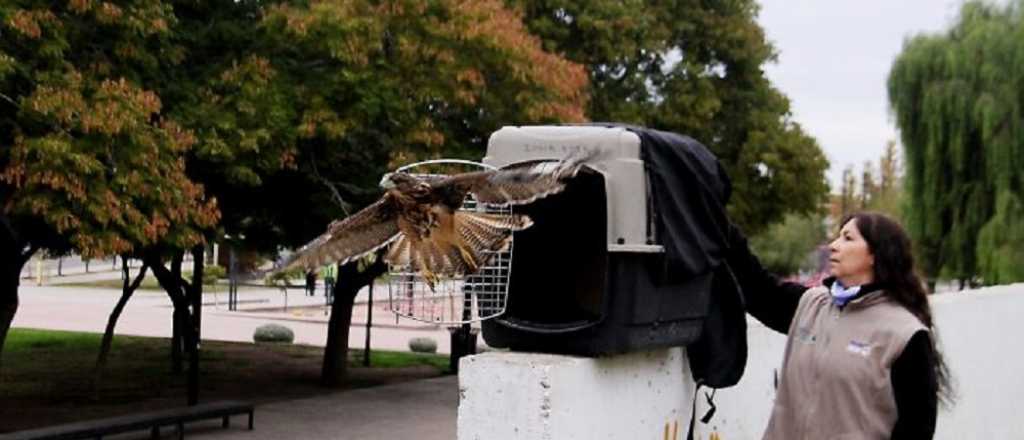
x=769, y=299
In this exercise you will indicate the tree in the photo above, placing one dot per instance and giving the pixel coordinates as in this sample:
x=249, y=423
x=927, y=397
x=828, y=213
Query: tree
x=848, y=202
x=128, y=122
x=128, y=288
x=376, y=84
x=889, y=172
x=791, y=245
x=88, y=158
x=298, y=108
x=868, y=189
x=697, y=68
x=957, y=106
x=320, y=99
x=351, y=278
x=888, y=193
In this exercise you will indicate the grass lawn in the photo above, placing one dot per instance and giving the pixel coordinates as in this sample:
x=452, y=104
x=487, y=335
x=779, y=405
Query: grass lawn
x=48, y=377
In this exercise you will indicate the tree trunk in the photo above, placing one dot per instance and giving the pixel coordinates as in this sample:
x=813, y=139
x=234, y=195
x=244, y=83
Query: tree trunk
x=350, y=279
x=369, y=325
x=9, y=275
x=187, y=300
x=126, y=293
x=171, y=282
x=127, y=289
x=14, y=260
x=179, y=320
x=335, y=366
x=195, y=297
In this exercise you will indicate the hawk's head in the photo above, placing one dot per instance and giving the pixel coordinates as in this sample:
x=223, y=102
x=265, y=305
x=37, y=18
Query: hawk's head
x=398, y=180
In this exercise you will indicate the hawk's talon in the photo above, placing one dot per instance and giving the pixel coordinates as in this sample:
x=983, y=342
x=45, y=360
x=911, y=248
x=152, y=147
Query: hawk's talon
x=430, y=277
x=467, y=257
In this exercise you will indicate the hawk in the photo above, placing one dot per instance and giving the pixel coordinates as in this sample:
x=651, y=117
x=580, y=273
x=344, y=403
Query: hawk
x=419, y=218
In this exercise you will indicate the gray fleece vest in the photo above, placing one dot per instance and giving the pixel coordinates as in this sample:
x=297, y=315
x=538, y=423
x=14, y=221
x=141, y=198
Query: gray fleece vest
x=835, y=381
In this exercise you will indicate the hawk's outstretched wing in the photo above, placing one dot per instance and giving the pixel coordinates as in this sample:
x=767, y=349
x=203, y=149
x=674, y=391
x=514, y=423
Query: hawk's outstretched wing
x=359, y=234
x=518, y=185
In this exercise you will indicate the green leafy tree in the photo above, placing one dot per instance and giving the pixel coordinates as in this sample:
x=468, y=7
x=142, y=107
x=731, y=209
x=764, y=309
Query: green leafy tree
x=693, y=67
x=889, y=171
x=88, y=159
x=125, y=121
x=1000, y=256
x=848, y=201
x=791, y=245
x=298, y=108
x=882, y=194
x=957, y=104
x=868, y=188
x=316, y=100
x=405, y=80
x=888, y=193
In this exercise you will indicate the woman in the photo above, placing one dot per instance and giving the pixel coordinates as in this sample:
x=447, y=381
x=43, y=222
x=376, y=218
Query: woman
x=860, y=360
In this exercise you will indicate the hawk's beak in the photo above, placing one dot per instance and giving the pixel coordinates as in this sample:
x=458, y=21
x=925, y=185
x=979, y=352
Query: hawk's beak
x=386, y=182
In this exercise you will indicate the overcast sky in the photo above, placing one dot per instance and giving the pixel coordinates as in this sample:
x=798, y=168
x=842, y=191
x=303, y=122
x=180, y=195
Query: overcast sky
x=834, y=59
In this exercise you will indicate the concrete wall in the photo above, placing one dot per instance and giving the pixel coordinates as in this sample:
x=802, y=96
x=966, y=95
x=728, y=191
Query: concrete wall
x=505, y=396
x=981, y=333
x=648, y=395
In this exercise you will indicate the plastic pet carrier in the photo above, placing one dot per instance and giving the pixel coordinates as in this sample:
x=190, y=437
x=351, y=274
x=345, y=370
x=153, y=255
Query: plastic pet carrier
x=623, y=259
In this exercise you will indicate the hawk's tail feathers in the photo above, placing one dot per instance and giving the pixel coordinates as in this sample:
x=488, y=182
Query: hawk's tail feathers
x=426, y=255
x=478, y=236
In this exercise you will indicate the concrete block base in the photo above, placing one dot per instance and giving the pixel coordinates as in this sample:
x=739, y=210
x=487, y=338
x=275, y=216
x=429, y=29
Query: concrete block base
x=540, y=396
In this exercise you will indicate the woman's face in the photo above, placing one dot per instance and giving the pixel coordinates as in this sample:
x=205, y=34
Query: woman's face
x=850, y=261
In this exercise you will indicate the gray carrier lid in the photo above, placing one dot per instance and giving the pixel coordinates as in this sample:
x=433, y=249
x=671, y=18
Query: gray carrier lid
x=618, y=160
x=665, y=192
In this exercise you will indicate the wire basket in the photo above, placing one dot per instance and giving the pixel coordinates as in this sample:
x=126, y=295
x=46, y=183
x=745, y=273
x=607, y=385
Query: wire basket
x=457, y=299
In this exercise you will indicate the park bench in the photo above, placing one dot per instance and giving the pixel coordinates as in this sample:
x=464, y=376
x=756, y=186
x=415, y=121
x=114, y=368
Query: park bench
x=96, y=429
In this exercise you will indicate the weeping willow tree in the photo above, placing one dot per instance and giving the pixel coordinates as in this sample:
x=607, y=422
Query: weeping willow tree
x=957, y=100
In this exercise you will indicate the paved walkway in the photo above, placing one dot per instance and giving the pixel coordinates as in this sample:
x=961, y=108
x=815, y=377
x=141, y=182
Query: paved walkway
x=148, y=313
x=423, y=410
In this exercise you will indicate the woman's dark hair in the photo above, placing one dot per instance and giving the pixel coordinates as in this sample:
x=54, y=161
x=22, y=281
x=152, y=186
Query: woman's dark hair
x=894, y=270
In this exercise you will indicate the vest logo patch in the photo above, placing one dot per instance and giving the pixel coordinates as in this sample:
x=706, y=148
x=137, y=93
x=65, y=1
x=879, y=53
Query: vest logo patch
x=803, y=334
x=858, y=347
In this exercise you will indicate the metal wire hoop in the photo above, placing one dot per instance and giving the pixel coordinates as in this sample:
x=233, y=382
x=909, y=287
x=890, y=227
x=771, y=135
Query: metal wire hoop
x=446, y=162
x=458, y=299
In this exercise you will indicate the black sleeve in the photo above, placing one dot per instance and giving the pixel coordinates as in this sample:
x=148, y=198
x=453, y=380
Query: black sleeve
x=916, y=388
x=769, y=299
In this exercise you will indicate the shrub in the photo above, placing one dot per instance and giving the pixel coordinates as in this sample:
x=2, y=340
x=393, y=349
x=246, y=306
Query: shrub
x=423, y=345
x=274, y=333
x=213, y=273
x=284, y=278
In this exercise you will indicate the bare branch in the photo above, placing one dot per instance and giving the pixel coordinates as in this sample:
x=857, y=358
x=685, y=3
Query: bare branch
x=330, y=185
x=9, y=99
x=127, y=274
x=138, y=279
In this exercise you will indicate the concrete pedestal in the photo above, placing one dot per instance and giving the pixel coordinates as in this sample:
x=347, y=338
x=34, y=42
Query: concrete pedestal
x=538, y=396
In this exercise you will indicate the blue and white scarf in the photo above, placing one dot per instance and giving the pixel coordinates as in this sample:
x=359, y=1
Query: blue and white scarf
x=841, y=294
